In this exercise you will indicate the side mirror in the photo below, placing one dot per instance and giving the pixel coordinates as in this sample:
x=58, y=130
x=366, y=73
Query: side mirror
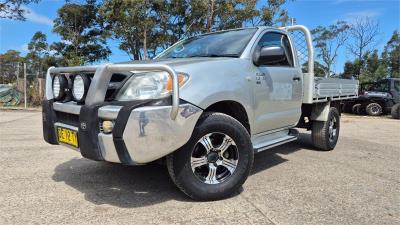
x=269, y=55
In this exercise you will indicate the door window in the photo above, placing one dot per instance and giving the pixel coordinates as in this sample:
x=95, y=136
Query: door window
x=273, y=39
x=397, y=85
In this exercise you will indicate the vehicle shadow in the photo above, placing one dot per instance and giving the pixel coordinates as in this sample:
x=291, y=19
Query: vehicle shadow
x=138, y=186
x=271, y=157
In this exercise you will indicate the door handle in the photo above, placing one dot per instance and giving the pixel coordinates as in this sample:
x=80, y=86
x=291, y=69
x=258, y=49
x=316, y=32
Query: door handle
x=297, y=78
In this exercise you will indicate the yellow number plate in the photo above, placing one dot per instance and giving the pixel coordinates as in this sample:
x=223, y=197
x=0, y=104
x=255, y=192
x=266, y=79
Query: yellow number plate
x=67, y=136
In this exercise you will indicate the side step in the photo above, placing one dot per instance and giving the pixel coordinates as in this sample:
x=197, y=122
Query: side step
x=275, y=139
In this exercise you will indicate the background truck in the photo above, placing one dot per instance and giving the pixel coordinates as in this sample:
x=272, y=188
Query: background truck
x=206, y=105
x=375, y=98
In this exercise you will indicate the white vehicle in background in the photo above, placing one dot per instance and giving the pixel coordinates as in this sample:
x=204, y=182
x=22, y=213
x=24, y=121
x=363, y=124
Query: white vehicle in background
x=206, y=105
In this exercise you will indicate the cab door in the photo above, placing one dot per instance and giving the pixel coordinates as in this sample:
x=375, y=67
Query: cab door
x=278, y=87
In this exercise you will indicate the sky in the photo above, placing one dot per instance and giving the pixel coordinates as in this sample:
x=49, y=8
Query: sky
x=311, y=13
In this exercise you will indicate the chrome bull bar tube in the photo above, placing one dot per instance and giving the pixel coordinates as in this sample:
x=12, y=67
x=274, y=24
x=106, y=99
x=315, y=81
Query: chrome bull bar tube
x=309, y=81
x=310, y=48
x=102, y=76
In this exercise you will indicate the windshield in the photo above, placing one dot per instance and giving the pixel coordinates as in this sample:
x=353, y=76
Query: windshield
x=221, y=44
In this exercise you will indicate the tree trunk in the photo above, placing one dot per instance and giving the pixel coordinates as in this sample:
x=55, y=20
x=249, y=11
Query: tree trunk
x=360, y=60
x=328, y=72
x=145, y=42
x=210, y=19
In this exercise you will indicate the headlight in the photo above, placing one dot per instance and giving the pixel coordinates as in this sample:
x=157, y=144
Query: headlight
x=150, y=85
x=80, y=86
x=59, y=84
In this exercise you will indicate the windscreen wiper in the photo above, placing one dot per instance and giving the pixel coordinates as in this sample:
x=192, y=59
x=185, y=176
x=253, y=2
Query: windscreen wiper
x=215, y=55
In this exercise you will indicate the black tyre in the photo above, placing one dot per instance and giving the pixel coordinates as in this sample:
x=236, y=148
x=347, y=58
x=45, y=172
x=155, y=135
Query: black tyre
x=216, y=161
x=374, y=109
x=325, y=134
x=356, y=109
x=396, y=111
x=347, y=107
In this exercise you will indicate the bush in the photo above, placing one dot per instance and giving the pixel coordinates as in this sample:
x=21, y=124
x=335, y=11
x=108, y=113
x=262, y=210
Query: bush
x=34, y=94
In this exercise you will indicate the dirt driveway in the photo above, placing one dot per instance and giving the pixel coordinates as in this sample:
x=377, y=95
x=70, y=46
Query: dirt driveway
x=357, y=183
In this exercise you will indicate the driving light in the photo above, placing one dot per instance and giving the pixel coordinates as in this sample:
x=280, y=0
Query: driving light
x=149, y=85
x=107, y=126
x=59, y=84
x=80, y=86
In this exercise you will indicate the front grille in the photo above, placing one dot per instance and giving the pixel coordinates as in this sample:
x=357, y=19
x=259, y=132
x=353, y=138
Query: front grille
x=101, y=127
x=67, y=118
x=116, y=82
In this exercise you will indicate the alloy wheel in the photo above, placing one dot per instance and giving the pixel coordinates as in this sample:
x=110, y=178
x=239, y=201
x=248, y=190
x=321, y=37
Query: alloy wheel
x=332, y=129
x=214, y=158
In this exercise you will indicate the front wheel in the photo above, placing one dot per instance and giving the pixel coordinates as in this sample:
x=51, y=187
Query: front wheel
x=216, y=161
x=325, y=134
x=373, y=109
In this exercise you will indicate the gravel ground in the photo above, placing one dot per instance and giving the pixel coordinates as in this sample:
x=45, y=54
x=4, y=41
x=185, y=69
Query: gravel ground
x=357, y=183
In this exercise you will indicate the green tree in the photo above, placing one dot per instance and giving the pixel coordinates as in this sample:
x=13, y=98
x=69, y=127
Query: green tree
x=173, y=23
x=221, y=14
x=363, y=33
x=391, y=55
x=350, y=70
x=328, y=41
x=273, y=14
x=131, y=22
x=372, y=63
x=9, y=66
x=83, y=38
x=369, y=66
x=13, y=9
x=38, y=51
x=319, y=69
x=145, y=27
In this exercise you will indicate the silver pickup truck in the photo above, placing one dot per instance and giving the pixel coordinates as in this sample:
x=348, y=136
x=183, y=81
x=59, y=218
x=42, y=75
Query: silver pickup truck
x=206, y=106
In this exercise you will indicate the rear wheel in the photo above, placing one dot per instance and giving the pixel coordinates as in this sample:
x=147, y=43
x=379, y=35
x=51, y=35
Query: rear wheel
x=373, y=109
x=396, y=111
x=216, y=161
x=325, y=134
x=356, y=109
x=347, y=107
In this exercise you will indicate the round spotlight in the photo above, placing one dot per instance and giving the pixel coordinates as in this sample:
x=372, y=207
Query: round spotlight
x=59, y=84
x=80, y=86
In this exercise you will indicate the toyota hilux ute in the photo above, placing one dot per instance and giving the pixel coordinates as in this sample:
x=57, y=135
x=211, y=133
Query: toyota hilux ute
x=206, y=106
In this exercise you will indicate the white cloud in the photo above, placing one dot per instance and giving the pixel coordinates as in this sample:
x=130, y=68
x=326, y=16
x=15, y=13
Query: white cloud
x=351, y=16
x=32, y=16
x=24, y=48
x=364, y=13
x=344, y=1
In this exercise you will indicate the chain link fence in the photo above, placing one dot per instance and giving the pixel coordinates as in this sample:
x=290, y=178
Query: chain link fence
x=22, y=86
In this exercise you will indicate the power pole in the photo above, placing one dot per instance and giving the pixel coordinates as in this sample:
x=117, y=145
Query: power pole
x=17, y=71
x=39, y=85
x=25, y=85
